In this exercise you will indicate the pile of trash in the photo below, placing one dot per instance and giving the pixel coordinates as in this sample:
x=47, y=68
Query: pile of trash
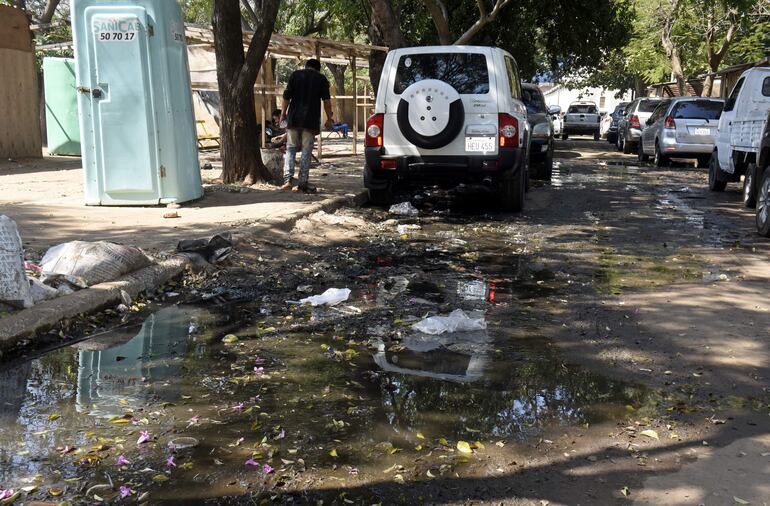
x=63, y=269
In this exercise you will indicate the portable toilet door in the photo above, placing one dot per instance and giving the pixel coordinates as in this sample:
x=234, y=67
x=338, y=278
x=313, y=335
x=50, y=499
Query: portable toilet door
x=61, y=107
x=135, y=101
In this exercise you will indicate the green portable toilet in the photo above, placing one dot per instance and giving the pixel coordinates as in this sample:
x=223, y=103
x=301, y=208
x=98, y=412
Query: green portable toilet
x=135, y=102
x=61, y=106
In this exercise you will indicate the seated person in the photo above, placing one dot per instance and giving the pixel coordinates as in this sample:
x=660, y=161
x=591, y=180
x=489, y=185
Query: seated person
x=275, y=136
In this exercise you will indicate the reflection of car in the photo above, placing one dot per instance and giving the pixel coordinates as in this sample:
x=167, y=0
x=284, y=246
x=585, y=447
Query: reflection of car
x=541, y=132
x=740, y=133
x=631, y=122
x=682, y=127
x=582, y=118
x=609, y=128
x=448, y=115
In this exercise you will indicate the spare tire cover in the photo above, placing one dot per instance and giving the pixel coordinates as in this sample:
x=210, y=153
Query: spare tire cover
x=430, y=114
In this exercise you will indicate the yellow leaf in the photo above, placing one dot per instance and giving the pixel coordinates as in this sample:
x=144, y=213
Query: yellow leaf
x=160, y=478
x=443, y=442
x=420, y=436
x=230, y=339
x=430, y=475
x=479, y=445
x=333, y=453
x=53, y=417
x=625, y=491
x=56, y=492
x=740, y=501
x=650, y=433
x=464, y=447
x=418, y=448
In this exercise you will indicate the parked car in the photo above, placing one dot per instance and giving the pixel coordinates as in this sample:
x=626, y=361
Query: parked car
x=540, y=133
x=740, y=133
x=762, y=175
x=609, y=128
x=582, y=118
x=631, y=122
x=682, y=127
x=448, y=115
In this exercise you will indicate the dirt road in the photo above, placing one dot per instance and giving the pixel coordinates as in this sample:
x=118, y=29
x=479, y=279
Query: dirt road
x=619, y=356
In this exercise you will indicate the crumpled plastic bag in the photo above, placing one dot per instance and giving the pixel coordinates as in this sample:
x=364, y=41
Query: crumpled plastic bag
x=90, y=263
x=457, y=321
x=330, y=297
x=215, y=250
x=14, y=287
x=404, y=209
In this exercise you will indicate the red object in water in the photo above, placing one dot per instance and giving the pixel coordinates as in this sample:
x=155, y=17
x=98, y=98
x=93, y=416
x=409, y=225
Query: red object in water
x=492, y=289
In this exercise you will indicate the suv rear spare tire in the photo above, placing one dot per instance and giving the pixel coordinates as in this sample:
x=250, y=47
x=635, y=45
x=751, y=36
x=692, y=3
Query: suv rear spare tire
x=430, y=114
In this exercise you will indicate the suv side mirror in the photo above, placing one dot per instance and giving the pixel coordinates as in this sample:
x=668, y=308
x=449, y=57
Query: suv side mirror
x=729, y=104
x=554, y=109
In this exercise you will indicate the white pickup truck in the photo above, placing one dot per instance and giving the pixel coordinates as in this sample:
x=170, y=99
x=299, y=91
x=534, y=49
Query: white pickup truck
x=740, y=133
x=582, y=118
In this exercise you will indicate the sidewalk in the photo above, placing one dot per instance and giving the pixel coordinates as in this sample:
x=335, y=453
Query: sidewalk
x=45, y=198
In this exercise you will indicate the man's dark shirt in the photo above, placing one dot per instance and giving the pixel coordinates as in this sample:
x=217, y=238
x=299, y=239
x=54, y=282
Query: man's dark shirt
x=306, y=89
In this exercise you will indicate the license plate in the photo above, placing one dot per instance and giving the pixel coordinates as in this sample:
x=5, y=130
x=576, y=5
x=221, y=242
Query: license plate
x=480, y=144
x=701, y=131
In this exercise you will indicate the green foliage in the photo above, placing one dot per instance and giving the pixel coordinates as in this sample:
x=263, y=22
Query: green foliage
x=197, y=11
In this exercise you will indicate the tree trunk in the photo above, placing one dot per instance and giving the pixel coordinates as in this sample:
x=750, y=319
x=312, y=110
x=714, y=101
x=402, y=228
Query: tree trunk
x=384, y=30
x=50, y=10
x=338, y=73
x=715, y=57
x=672, y=50
x=440, y=15
x=236, y=75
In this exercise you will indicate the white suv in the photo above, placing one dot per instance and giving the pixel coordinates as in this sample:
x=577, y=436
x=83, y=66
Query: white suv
x=449, y=115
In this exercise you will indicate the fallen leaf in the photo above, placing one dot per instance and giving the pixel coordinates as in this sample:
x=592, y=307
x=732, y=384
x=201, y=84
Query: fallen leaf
x=650, y=433
x=230, y=339
x=53, y=417
x=625, y=491
x=333, y=453
x=160, y=478
x=740, y=501
x=443, y=442
x=420, y=436
x=464, y=447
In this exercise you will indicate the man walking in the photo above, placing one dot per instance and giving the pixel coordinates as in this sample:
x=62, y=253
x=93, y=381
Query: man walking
x=302, y=99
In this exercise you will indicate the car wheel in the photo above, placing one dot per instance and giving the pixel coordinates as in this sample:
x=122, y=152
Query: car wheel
x=661, y=160
x=749, y=187
x=640, y=153
x=511, y=192
x=626, y=147
x=381, y=197
x=715, y=185
x=763, y=205
x=619, y=142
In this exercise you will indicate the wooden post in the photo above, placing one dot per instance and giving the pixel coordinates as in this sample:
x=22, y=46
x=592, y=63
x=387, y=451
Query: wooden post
x=355, y=108
x=321, y=134
x=263, y=71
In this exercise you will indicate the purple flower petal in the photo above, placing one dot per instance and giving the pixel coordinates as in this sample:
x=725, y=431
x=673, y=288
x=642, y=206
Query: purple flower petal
x=125, y=492
x=239, y=407
x=259, y=371
x=144, y=436
x=123, y=461
x=170, y=461
x=267, y=469
x=5, y=494
x=251, y=462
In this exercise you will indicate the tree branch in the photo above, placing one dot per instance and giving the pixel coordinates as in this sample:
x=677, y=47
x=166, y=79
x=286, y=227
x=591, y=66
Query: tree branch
x=440, y=15
x=483, y=20
x=255, y=55
x=250, y=11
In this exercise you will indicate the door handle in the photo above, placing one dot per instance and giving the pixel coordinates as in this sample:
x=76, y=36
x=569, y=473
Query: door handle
x=94, y=92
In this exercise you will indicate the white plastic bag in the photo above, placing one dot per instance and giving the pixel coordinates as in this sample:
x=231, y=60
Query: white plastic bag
x=330, y=297
x=456, y=321
x=14, y=287
x=91, y=263
x=404, y=209
x=41, y=292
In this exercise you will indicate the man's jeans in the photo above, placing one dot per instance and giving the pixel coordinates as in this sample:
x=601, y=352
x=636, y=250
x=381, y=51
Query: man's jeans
x=304, y=139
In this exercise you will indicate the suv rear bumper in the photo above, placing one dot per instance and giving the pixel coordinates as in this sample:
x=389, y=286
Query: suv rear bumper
x=580, y=128
x=440, y=169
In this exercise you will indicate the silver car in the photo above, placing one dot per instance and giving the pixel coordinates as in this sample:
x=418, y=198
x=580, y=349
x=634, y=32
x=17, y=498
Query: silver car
x=682, y=127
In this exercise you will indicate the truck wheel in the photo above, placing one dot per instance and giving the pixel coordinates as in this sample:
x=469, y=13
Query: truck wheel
x=661, y=160
x=763, y=205
x=640, y=153
x=749, y=187
x=715, y=185
x=511, y=191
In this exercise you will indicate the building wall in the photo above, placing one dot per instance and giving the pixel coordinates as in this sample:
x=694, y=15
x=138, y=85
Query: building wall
x=20, y=132
x=604, y=99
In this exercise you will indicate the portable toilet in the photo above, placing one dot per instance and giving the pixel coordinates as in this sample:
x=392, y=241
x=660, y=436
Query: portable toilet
x=61, y=106
x=135, y=101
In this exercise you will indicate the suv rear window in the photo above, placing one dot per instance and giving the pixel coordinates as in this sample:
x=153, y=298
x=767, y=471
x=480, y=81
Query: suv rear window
x=648, y=105
x=582, y=109
x=465, y=72
x=766, y=87
x=698, y=109
x=533, y=100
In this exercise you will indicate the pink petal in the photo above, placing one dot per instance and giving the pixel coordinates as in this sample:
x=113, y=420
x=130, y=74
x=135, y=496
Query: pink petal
x=170, y=462
x=125, y=492
x=143, y=437
x=267, y=469
x=5, y=494
x=251, y=462
x=123, y=461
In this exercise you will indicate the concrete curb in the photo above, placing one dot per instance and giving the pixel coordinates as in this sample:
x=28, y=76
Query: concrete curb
x=23, y=326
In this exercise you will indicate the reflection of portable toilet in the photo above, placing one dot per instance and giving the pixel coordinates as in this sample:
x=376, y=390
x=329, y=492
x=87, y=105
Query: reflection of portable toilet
x=61, y=106
x=136, y=113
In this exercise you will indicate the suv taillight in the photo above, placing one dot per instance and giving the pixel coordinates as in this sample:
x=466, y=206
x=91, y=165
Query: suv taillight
x=374, y=126
x=634, y=121
x=669, y=123
x=509, y=131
